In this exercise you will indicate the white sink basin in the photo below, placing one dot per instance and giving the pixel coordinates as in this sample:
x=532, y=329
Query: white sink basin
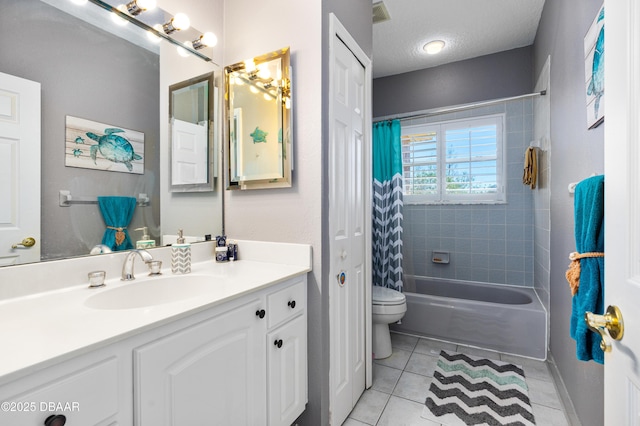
x=151, y=292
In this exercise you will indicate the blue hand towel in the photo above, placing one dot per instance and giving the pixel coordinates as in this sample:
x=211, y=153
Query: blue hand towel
x=117, y=213
x=589, y=232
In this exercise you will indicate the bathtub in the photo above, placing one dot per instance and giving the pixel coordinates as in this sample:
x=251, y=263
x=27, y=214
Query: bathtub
x=503, y=318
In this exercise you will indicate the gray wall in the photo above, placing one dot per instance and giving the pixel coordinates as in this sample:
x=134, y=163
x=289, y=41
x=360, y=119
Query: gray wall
x=87, y=73
x=494, y=76
x=576, y=154
x=488, y=243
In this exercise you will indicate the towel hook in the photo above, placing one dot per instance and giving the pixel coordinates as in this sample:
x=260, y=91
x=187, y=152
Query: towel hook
x=572, y=185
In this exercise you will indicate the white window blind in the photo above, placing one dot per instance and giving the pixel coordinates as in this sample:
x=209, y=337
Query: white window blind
x=458, y=161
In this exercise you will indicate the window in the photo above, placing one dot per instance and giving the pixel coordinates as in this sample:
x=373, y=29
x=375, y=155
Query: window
x=456, y=162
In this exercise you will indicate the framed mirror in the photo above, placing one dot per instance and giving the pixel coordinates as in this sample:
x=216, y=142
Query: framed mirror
x=191, y=116
x=92, y=67
x=258, y=110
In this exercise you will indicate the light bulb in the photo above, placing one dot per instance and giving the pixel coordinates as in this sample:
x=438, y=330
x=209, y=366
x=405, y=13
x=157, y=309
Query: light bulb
x=181, y=21
x=433, y=47
x=267, y=97
x=253, y=89
x=146, y=4
x=207, y=39
x=177, y=23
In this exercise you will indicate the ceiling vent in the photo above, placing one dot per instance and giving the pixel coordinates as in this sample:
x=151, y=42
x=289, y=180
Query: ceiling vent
x=380, y=13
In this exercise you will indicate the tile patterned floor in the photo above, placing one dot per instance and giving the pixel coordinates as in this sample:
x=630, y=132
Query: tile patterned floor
x=401, y=383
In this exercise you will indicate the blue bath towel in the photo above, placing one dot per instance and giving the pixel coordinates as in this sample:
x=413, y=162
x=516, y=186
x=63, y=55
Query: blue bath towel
x=589, y=232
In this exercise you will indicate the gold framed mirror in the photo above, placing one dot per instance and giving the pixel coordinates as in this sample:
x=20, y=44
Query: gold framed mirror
x=258, y=117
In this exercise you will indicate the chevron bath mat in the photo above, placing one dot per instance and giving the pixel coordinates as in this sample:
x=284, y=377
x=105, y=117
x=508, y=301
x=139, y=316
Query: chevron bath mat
x=468, y=390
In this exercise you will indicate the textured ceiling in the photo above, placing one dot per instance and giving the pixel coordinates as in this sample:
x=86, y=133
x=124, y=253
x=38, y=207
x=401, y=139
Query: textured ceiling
x=470, y=28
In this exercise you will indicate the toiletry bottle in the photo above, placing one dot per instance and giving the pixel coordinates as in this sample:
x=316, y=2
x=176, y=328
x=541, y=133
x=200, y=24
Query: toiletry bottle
x=146, y=241
x=233, y=251
x=180, y=256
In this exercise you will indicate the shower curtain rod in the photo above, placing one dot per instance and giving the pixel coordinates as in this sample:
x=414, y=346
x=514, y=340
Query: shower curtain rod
x=463, y=107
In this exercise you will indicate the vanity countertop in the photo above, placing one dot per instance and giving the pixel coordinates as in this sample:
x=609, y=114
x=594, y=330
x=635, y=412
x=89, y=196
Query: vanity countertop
x=42, y=329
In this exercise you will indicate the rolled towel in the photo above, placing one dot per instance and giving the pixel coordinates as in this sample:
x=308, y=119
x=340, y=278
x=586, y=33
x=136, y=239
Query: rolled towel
x=589, y=234
x=530, y=174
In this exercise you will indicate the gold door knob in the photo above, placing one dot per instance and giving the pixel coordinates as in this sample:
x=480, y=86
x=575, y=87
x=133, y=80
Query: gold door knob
x=611, y=321
x=26, y=243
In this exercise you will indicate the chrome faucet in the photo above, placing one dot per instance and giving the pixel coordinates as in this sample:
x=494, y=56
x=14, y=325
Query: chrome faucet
x=127, y=267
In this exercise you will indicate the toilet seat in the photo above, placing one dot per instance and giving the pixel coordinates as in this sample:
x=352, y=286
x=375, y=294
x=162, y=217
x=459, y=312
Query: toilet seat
x=387, y=297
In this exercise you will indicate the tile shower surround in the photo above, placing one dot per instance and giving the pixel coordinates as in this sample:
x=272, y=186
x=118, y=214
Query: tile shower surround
x=489, y=243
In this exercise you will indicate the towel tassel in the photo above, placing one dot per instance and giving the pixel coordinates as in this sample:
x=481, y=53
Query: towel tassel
x=573, y=273
x=119, y=234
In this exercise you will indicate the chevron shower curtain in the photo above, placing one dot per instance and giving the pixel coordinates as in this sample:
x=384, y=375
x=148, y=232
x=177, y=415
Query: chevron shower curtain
x=387, y=205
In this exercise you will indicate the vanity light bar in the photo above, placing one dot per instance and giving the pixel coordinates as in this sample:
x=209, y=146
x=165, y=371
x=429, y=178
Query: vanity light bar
x=160, y=32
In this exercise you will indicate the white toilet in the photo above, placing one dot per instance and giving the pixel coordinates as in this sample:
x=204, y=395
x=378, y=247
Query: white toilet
x=388, y=306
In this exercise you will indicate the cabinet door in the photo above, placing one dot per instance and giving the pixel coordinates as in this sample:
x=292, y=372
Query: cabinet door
x=86, y=395
x=212, y=373
x=287, y=371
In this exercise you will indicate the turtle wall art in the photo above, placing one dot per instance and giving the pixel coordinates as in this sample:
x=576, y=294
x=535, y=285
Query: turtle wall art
x=99, y=146
x=594, y=70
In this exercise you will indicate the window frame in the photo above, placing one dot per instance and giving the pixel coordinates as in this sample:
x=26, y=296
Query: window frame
x=440, y=128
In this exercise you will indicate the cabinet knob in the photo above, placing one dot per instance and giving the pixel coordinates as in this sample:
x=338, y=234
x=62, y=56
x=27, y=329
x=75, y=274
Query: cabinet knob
x=278, y=343
x=260, y=313
x=292, y=304
x=55, y=420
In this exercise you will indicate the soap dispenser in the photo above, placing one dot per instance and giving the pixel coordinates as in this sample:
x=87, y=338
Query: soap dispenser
x=180, y=256
x=145, y=242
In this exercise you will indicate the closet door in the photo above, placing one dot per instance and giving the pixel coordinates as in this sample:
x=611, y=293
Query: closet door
x=347, y=229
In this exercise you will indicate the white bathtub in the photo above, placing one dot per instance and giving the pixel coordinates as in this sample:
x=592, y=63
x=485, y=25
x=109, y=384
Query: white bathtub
x=503, y=318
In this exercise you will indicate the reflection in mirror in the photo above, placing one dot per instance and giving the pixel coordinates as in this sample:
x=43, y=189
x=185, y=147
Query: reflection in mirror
x=259, y=120
x=191, y=111
x=91, y=72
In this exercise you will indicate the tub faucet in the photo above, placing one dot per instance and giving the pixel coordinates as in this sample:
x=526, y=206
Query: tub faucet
x=127, y=267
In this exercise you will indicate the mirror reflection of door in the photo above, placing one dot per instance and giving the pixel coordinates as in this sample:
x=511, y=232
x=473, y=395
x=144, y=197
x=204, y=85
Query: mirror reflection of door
x=191, y=126
x=19, y=170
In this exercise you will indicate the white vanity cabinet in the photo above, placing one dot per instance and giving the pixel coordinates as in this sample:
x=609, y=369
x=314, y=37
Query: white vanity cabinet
x=287, y=354
x=212, y=372
x=226, y=369
x=238, y=361
x=90, y=390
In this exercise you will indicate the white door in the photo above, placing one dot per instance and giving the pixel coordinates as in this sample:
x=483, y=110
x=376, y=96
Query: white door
x=189, y=147
x=622, y=207
x=19, y=169
x=348, y=270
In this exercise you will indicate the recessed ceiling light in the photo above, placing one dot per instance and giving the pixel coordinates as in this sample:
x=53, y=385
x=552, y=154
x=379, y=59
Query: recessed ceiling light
x=433, y=47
